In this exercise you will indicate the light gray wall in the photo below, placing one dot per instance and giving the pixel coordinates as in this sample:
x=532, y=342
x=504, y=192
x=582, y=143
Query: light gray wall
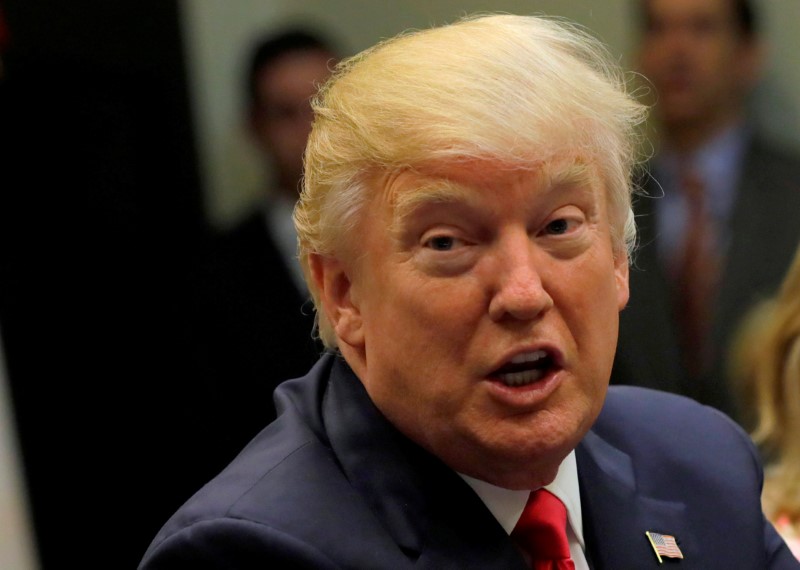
x=219, y=35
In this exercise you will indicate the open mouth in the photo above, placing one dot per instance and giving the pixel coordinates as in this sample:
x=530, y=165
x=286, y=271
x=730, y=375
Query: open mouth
x=525, y=368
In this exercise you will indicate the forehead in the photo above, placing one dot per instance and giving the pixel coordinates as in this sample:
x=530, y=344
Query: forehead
x=661, y=10
x=294, y=72
x=478, y=181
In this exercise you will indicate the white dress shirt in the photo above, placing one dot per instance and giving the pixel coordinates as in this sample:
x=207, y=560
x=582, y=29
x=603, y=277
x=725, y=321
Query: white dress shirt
x=718, y=165
x=280, y=224
x=507, y=505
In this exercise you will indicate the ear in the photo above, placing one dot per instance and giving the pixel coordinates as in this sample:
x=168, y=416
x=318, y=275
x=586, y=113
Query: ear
x=334, y=284
x=621, y=272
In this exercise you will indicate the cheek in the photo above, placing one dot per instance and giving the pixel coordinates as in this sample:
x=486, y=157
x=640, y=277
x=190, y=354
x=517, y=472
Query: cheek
x=417, y=346
x=595, y=280
x=421, y=325
x=434, y=306
x=653, y=58
x=592, y=302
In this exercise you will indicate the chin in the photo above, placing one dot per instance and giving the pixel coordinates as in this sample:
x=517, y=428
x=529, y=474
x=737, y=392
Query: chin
x=524, y=475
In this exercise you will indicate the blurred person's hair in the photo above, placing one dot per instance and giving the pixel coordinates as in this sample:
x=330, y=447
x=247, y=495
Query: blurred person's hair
x=270, y=48
x=765, y=366
x=744, y=14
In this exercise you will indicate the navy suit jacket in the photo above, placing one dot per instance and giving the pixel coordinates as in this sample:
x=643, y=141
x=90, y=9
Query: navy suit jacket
x=332, y=484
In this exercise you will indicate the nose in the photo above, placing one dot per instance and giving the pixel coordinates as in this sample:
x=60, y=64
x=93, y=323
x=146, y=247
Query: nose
x=680, y=40
x=519, y=292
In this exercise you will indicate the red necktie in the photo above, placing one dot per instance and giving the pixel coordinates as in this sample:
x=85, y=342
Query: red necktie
x=541, y=532
x=696, y=275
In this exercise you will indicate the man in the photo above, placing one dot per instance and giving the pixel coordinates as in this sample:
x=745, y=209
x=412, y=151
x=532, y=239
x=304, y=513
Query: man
x=718, y=223
x=254, y=324
x=464, y=228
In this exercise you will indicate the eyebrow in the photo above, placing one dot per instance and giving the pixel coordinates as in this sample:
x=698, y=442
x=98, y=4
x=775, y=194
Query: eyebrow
x=431, y=191
x=577, y=173
x=434, y=190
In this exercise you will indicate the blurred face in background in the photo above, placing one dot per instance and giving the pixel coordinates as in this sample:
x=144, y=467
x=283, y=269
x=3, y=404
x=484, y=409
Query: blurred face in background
x=700, y=61
x=281, y=118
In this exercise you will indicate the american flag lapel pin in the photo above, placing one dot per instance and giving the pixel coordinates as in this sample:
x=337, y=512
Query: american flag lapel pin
x=664, y=545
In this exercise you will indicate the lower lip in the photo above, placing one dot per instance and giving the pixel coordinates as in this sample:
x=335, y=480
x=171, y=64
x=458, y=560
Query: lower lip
x=528, y=395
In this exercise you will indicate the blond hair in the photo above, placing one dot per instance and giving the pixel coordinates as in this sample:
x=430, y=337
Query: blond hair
x=765, y=365
x=520, y=90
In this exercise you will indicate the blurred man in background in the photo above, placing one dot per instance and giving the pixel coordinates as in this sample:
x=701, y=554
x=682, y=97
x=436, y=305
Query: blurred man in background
x=252, y=330
x=718, y=224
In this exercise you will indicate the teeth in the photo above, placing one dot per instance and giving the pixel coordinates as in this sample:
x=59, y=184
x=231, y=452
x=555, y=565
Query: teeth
x=521, y=378
x=529, y=357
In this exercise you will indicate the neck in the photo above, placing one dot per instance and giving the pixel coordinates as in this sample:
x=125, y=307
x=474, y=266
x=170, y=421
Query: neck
x=690, y=136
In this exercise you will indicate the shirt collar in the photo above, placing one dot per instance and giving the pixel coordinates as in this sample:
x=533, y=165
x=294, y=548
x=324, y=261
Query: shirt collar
x=506, y=504
x=717, y=163
x=280, y=225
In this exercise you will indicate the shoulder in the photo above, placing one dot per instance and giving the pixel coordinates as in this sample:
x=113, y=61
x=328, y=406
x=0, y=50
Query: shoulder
x=668, y=450
x=260, y=486
x=640, y=401
x=265, y=470
x=660, y=424
x=635, y=405
x=275, y=502
x=256, y=509
x=679, y=446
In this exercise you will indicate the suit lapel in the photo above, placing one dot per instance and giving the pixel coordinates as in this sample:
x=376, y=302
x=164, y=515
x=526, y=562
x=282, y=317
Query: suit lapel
x=616, y=513
x=431, y=513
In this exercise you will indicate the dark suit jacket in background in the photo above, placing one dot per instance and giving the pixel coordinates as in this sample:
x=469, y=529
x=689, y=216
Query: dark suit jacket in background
x=764, y=232
x=332, y=484
x=251, y=330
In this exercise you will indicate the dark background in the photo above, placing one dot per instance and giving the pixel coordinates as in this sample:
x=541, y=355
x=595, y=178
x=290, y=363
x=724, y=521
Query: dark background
x=100, y=219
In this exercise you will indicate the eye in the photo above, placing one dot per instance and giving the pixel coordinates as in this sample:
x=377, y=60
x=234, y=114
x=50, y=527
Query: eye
x=441, y=243
x=557, y=227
